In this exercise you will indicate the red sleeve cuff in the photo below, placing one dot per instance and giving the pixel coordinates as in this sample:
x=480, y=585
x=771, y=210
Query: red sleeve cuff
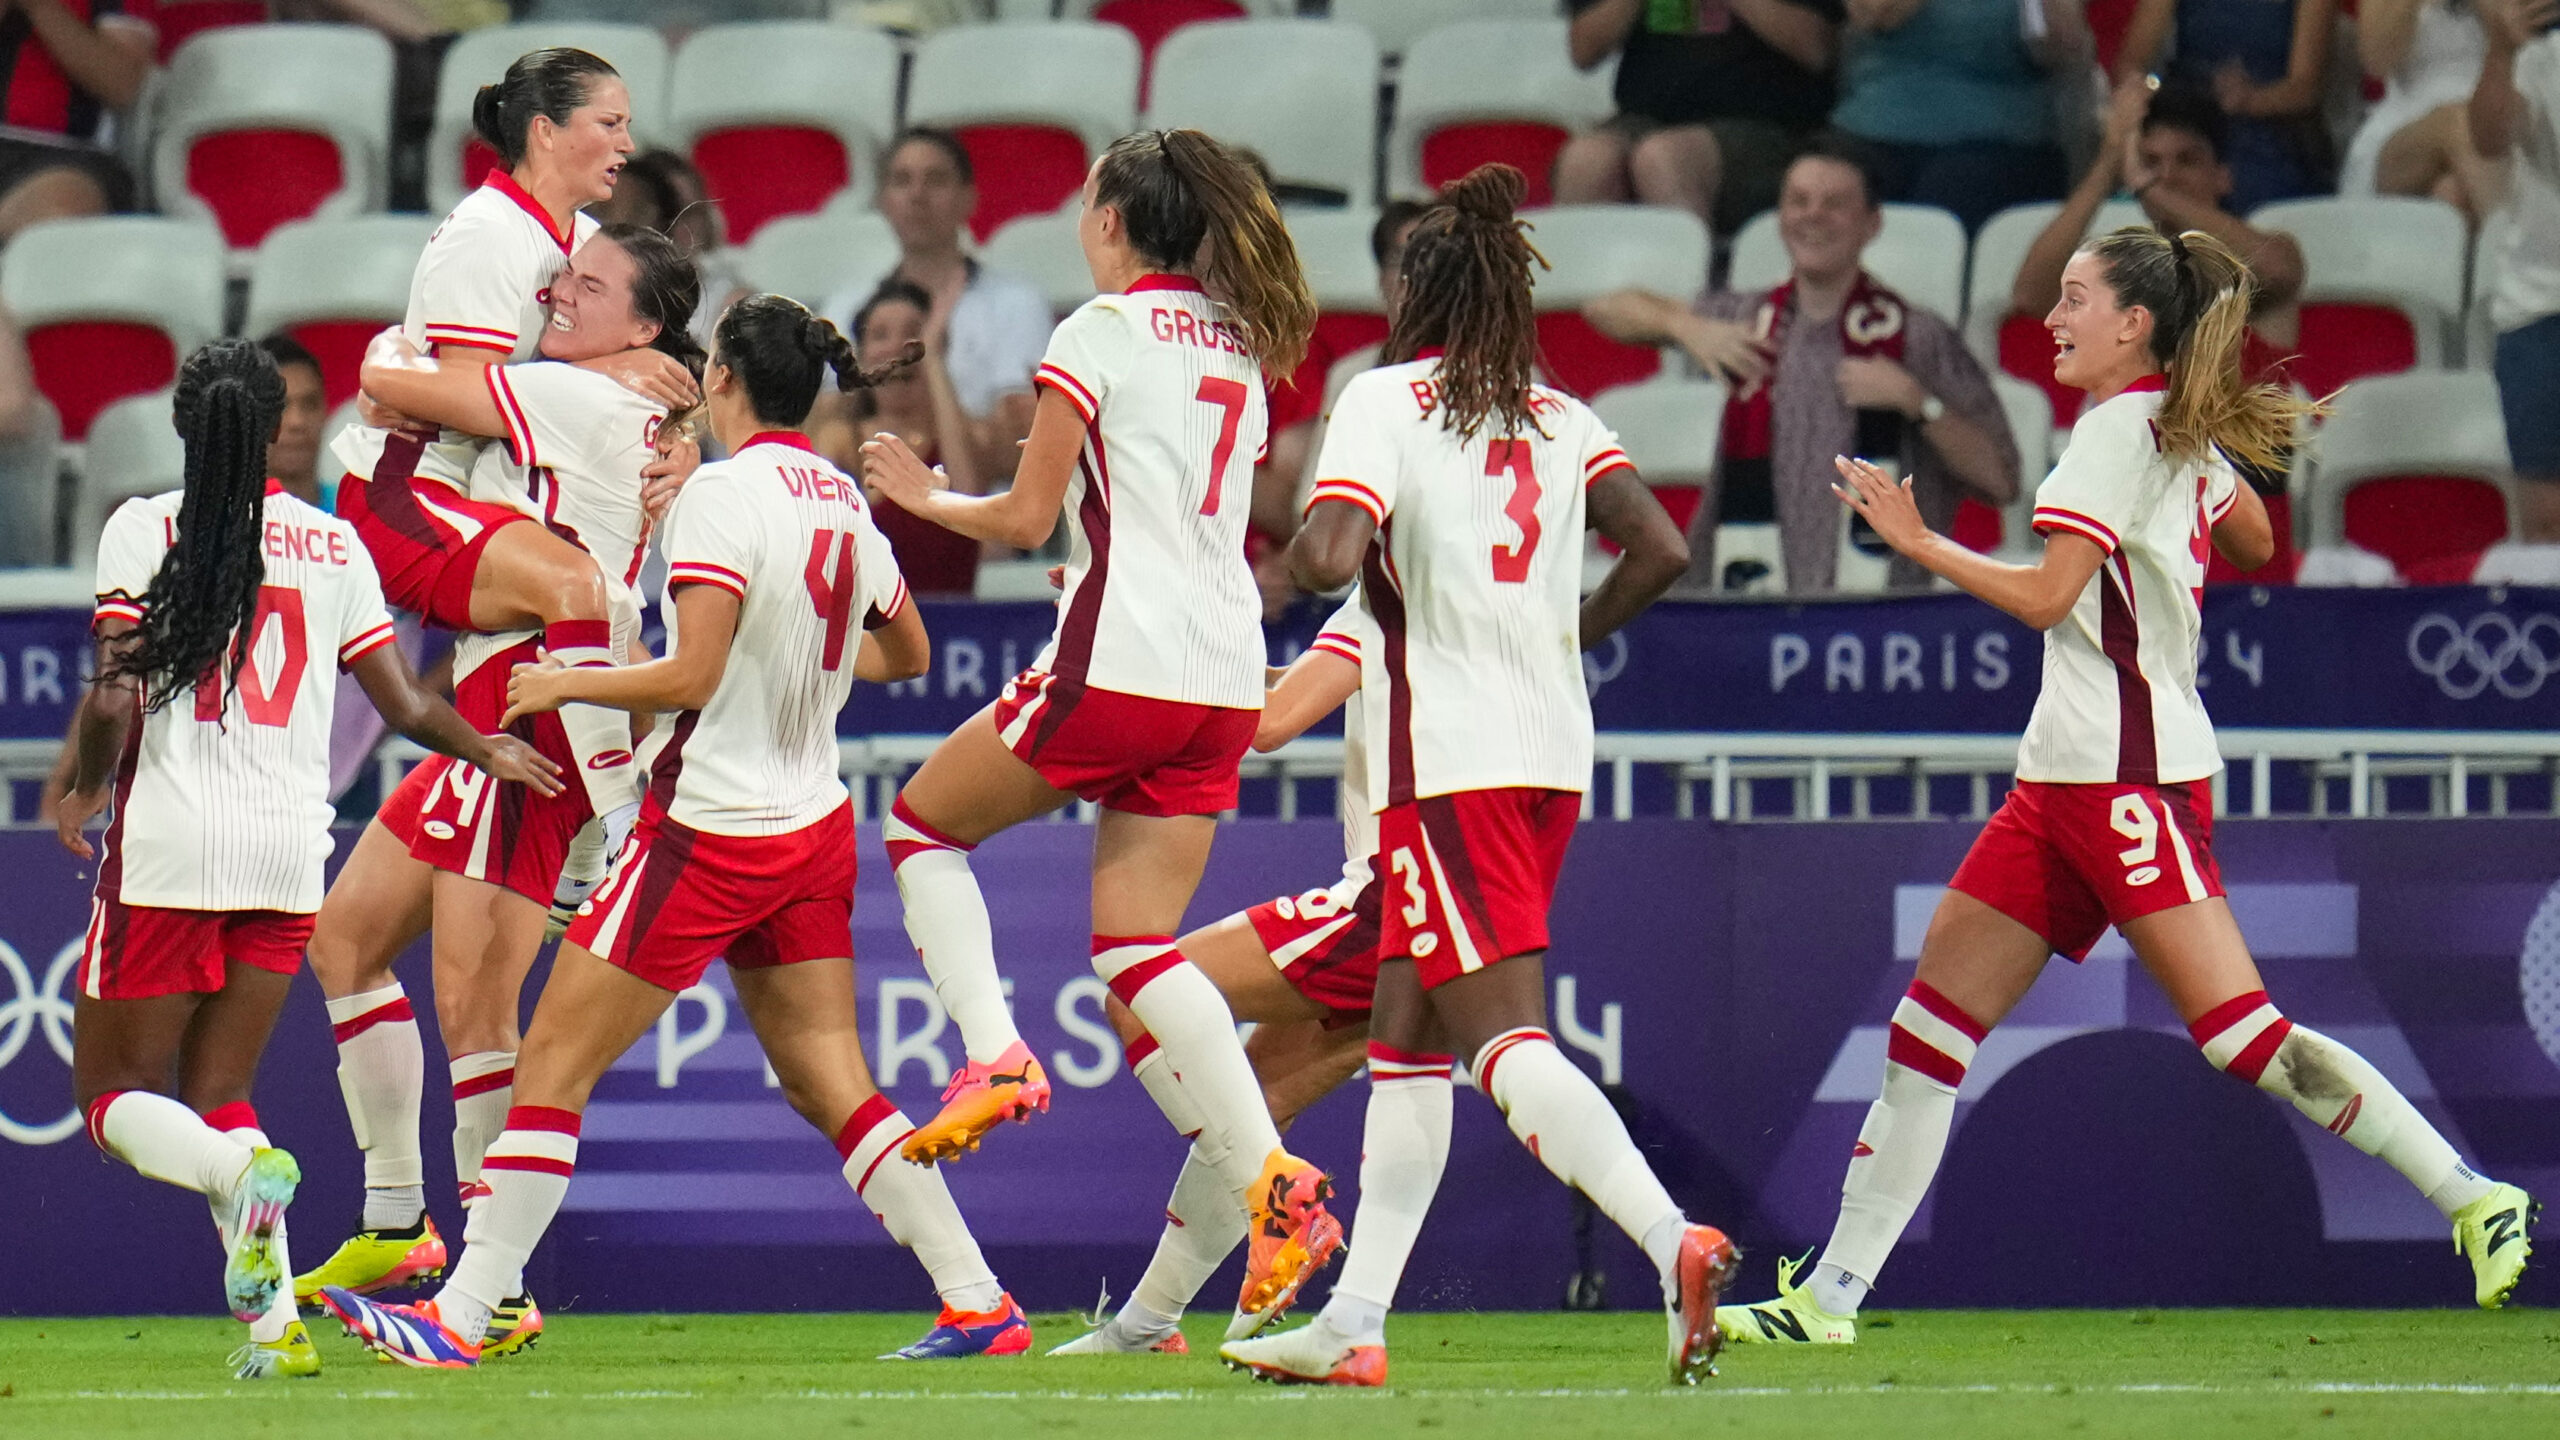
x=1075, y=390
x=1350, y=492
x=702, y=572
x=2050, y=518
x=897, y=606
x=366, y=643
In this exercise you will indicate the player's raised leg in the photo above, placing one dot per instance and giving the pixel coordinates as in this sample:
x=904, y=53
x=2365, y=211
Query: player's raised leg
x=216, y=1069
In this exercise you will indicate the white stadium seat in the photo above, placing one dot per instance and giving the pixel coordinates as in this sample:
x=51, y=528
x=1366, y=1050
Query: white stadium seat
x=2001, y=246
x=1598, y=249
x=133, y=449
x=2392, y=252
x=111, y=306
x=1670, y=428
x=814, y=258
x=479, y=57
x=1301, y=93
x=1487, y=70
x=2418, y=423
x=1919, y=254
x=2030, y=418
x=1044, y=250
x=769, y=78
x=1333, y=250
x=333, y=283
x=233, y=112
x=1000, y=87
x=1396, y=24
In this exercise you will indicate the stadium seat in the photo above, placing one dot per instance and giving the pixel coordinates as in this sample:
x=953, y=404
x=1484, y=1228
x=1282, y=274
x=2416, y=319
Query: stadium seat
x=1919, y=254
x=1489, y=90
x=1152, y=20
x=333, y=285
x=1333, y=249
x=779, y=115
x=2030, y=425
x=457, y=160
x=2383, y=283
x=2012, y=343
x=261, y=124
x=1033, y=104
x=1598, y=249
x=110, y=305
x=2413, y=468
x=1670, y=428
x=1043, y=249
x=814, y=258
x=181, y=20
x=133, y=449
x=30, y=488
x=2479, y=329
x=1396, y=24
x=1303, y=94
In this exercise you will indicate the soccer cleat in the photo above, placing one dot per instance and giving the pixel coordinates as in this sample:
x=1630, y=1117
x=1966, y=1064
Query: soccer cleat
x=957, y=1334
x=372, y=1260
x=978, y=1099
x=1293, y=1237
x=513, y=1327
x=1704, y=1268
x=291, y=1357
x=1314, y=1354
x=2495, y=1232
x=1111, y=1339
x=1791, y=1319
x=252, y=1271
x=413, y=1335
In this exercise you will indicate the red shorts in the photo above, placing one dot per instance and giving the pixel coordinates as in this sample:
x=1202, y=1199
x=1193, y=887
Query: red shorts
x=679, y=898
x=2067, y=861
x=141, y=952
x=1467, y=877
x=425, y=536
x=460, y=820
x=1326, y=944
x=1125, y=752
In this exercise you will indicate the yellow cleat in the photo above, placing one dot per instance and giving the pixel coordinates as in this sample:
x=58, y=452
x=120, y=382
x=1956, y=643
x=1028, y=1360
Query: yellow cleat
x=292, y=1357
x=374, y=1260
x=513, y=1327
x=980, y=1098
x=1791, y=1319
x=2495, y=1232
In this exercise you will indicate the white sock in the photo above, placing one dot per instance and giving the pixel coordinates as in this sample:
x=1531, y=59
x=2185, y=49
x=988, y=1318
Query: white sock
x=1404, y=1147
x=484, y=1089
x=382, y=1068
x=1568, y=1124
x=1837, y=1291
x=1190, y=1019
x=915, y=1206
x=600, y=738
x=1155, y=1073
x=527, y=1170
x=946, y=917
x=280, y=1313
x=1202, y=1227
x=1903, y=1139
x=168, y=1142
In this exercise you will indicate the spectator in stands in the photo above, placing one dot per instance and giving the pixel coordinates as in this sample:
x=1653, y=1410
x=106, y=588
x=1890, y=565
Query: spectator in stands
x=1830, y=363
x=918, y=405
x=662, y=190
x=1945, y=102
x=28, y=472
x=2266, y=62
x=1297, y=409
x=73, y=64
x=2417, y=139
x=293, y=457
x=999, y=322
x=405, y=21
x=2515, y=117
x=1713, y=96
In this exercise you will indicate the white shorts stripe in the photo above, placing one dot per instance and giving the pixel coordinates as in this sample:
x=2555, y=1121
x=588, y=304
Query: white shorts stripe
x=2186, y=857
x=620, y=887
x=1289, y=954
x=1012, y=734
x=92, y=959
x=1454, y=919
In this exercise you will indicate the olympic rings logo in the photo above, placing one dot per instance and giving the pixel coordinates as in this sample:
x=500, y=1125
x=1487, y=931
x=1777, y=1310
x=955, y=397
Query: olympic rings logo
x=2516, y=656
x=29, y=1006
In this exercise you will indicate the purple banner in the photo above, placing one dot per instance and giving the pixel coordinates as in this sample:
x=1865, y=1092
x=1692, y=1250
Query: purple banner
x=1732, y=981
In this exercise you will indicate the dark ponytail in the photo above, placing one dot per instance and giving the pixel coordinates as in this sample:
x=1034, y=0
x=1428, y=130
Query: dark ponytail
x=551, y=83
x=203, y=601
x=1466, y=290
x=2199, y=292
x=780, y=352
x=1178, y=190
x=667, y=291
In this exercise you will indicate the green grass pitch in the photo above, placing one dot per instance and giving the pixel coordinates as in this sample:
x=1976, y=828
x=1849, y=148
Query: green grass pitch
x=2185, y=1375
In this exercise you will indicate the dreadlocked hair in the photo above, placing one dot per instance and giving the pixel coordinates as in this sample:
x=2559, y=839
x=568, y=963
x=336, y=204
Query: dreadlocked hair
x=1194, y=205
x=1466, y=290
x=202, y=607
x=780, y=351
x=2198, y=292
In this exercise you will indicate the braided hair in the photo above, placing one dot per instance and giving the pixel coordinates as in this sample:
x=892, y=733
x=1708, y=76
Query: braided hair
x=780, y=350
x=1466, y=290
x=201, y=609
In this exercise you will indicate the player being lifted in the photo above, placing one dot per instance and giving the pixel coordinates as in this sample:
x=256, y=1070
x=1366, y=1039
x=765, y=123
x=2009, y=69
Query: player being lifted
x=1457, y=491
x=2111, y=820
x=208, y=722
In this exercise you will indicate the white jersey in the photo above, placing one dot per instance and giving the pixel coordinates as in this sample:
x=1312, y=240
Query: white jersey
x=482, y=282
x=2528, y=270
x=1351, y=634
x=2119, y=702
x=223, y=803
x=792, y=537
x=1159, y=598
x=1475, y=583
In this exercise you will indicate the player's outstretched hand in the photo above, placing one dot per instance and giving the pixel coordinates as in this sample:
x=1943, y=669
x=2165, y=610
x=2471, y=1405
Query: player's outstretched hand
x=72, y=813
x=660, y=479
x=511, y=759
x=1886, y=503
x=534, y=688
x=894, y=473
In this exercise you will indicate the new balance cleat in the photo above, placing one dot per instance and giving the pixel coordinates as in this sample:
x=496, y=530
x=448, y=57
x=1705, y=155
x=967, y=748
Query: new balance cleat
x=292, y=1357
x=1292, y=1237
x=513, y=1327
x=1115, y=1339
x=957, y=1334
x=2495, y=1233
x=1704, y=1268
x=1314, y=1354
x=413, y=1335
x=978, y=1099
x=1792, y=1319
x=372, y=1260
x=252, y=1270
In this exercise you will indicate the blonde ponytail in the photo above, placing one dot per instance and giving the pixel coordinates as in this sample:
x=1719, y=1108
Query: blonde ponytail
x=2199, y=294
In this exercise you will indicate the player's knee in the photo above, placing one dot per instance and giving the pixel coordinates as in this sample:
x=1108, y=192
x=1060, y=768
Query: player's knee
x=1932, y=1037
x=2241, y=1035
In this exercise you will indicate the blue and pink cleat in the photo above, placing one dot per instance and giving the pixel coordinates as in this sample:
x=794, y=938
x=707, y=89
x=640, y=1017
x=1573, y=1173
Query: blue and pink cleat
x=957, y=1334
x=413, y=1335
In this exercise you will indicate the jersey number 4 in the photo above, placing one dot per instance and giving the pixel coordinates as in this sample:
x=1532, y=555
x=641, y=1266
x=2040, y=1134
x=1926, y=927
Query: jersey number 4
x=1511, y=457
x=833, y=596
x=265, y=699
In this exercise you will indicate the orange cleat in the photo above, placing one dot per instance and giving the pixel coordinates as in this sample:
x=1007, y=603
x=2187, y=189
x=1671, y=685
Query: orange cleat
x=1310, y=1355
x=1292, y=1237
x=980, y=1098
x=1704, y=1268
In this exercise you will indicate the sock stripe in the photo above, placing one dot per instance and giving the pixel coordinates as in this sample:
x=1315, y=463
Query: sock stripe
x=395, y=1012
x=1495, y=1048
x=542, y=1164
x=1927, y=998
x=545, y=1118
x=1105, y=944
x=1140, y=1049
x=1129, y=963
x=1381, y=1050
x=902, y=817
x=563, y=638
x=1912, y=1053
x=98, y=1117
x=483, y=1084
x=2225, y=1015
x=2254, y=1057
x=866, y=1115
x=1924, y=1026
x=235, y=1115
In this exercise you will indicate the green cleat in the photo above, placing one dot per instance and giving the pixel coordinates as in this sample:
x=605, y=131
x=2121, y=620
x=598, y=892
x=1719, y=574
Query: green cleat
x=1791, y=1319
x=2495, y=1233
x=291, y=1357
x=253, y=1270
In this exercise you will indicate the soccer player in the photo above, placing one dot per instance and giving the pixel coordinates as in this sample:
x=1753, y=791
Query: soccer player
x=1150, y=420
x=205, y=719
x=781, y=593
x=1458, y=491
x=479, y=858
x=2111, y=820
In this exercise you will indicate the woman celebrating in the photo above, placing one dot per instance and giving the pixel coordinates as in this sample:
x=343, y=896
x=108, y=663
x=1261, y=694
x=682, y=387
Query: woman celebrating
x=1150, y=420
x=213, y=603
x=781, y=593
x=1458, y=491
x=2111, y=820
x=920, y=407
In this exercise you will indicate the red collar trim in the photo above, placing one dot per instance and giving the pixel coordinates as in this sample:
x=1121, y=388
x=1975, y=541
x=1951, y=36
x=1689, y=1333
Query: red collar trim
x=792, y=438
x=2153, y=381
x=274, y=486
x=1430, y=352
x=505, y=184
x=1165, y=282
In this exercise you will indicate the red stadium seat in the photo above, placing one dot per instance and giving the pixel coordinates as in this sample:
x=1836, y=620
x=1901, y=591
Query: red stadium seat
x=2383, y=283
x=1597, y=250
x=2414, y=468
x=2345, y=340
x=256, y=180
x=2413, y=520
x=1022, y=170
x=1032, y=103
x=2026, y=351
x=762, y=172
x=109, y=305
x=1152, y=20
x=180, y=20
x=1582, y=361
x=1528, y=145
x=83, y=366
x=781, y=115
x=264, y=124
x=1488, y=90
x=333, y=285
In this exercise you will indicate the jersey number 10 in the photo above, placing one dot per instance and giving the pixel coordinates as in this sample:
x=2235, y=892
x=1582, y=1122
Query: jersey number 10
x=265, y=699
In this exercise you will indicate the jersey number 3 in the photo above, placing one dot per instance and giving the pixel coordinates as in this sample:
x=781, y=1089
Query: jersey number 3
x=265, y=699
x=1511, y=457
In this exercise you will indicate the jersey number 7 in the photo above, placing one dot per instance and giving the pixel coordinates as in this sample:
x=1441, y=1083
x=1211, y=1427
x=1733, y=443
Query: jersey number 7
x=265, y=699
x=1229, y=397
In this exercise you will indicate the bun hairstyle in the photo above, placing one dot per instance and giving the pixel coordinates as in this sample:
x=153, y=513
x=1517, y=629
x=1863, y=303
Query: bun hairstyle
x=1466, y=290
x=2199, y=292
x=551, y=83
x=1194, y=205
x=203, y=601
x=781, y=351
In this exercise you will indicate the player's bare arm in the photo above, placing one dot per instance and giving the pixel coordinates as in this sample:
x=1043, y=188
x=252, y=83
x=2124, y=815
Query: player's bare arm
x=2245, y=535
x=1328, y=549
x=1021, y=516
x=98, y=729
x=1653, y=552
x=410, y=708
x=2040, y=594
x=899, y=650
x=1314, y=686
x=707, y=618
